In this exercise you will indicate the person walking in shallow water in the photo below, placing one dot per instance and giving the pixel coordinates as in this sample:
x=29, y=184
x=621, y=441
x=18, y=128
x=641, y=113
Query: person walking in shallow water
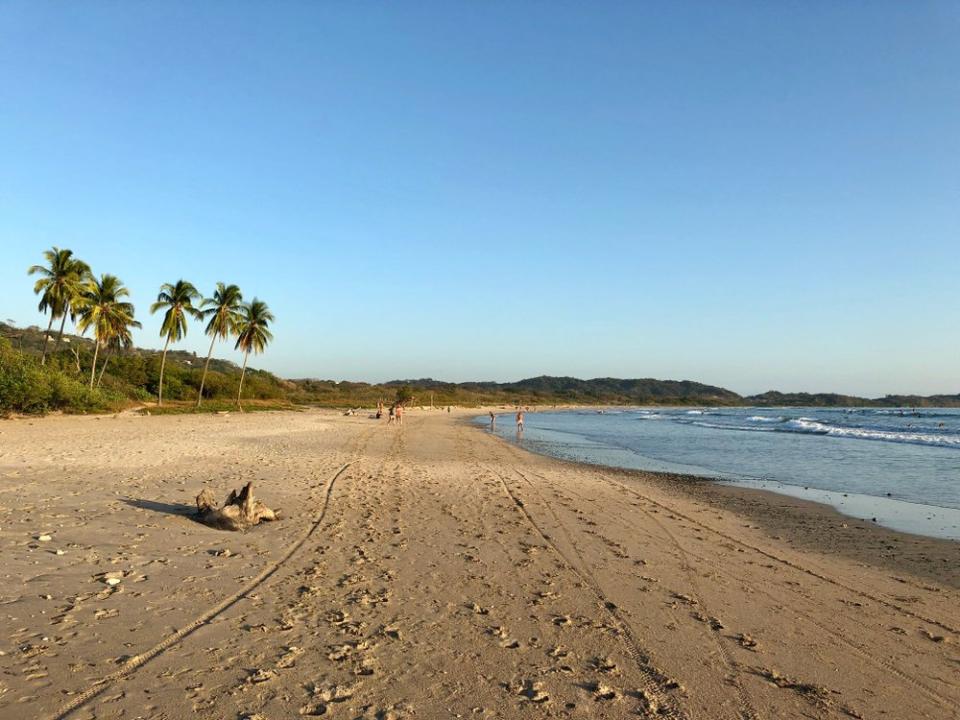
x=519, y=419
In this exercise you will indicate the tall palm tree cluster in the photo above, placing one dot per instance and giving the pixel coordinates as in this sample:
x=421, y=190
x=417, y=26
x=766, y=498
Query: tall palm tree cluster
x=67, y=286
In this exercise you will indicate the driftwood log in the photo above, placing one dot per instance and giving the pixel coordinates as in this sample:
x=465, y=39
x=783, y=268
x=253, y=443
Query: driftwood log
x=239, y=512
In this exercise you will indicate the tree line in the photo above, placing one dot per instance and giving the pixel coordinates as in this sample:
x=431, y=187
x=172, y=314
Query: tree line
x=67, y=287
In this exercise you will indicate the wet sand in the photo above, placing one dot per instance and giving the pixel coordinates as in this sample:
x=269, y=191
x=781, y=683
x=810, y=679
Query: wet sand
x=435, y=571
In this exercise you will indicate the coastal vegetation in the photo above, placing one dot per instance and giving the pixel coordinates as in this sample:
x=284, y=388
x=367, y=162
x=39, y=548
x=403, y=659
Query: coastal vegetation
x=132, y=380
x=98, y=369
x=35, y=379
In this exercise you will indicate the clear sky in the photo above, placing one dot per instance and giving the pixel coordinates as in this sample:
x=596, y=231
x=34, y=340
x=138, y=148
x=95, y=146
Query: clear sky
x=752, y=194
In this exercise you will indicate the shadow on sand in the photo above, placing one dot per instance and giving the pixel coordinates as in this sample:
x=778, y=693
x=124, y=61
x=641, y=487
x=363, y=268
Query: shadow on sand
x=162, y=507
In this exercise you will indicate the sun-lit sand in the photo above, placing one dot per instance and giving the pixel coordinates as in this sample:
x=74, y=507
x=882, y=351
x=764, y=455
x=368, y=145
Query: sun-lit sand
x=435, y=571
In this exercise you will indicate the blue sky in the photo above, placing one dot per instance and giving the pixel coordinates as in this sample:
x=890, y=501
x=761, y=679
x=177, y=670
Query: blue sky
x=752, y=194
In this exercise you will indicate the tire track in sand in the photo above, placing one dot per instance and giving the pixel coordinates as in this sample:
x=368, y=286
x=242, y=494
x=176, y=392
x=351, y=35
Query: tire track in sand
x=655, y=684
x=881, y=664
x=141, y=659
x=942, y=624
x=747, y=710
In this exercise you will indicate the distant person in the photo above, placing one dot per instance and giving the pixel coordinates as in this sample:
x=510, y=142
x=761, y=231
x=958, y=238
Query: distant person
x=393, y=415
x=519, y=420
x=448, y=409
x=379, y=409
x=399, y=414
x=493, y=420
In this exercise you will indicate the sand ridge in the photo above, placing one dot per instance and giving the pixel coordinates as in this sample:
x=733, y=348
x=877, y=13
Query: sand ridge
x=431, y=570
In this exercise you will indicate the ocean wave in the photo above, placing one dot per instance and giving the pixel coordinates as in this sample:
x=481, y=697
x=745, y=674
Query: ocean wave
x=808, y=425
x=764, y=418
x=812, y=426
x=928, y=413
x=723, y=426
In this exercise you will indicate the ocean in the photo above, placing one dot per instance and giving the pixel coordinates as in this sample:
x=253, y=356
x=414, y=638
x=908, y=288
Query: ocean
x=897, y=467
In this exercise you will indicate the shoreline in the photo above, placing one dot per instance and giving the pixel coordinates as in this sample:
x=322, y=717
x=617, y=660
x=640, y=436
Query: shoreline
x=901, y=515
x=800, y=522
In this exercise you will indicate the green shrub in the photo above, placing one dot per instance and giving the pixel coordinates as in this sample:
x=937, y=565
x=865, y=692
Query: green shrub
x=26, y=386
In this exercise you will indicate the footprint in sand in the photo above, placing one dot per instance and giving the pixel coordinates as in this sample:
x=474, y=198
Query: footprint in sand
x=604, y=665
x=289, y=657
x=260, y=676
x=604, y=693
x=533, y=691
x=934, y=638
x=324, y=698
x=478, y=609
x=713, y=622
x=391, y=631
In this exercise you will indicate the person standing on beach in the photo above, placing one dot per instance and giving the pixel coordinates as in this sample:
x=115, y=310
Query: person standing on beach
x=519, y=419
x=399, y=414
x=392, y=415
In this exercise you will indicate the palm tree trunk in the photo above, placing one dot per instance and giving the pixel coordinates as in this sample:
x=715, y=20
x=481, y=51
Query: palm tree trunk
x=93, y=369
x=163, y=361
x=203, y=379
x=246, y=356
x=106, y=359
x=46, y=339
x=60, y=334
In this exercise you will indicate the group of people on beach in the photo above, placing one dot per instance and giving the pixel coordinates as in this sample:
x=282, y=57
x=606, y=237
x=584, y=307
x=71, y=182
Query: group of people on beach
x=395, y=413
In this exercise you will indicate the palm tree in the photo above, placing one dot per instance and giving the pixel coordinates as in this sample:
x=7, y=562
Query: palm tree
x=178, y=300
x=101, y=308
x=59, y=287
x=120, y=340
x=252, y=333
x=225, y=311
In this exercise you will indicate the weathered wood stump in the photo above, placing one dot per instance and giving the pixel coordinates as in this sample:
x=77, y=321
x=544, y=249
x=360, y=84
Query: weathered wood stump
x=239, y=512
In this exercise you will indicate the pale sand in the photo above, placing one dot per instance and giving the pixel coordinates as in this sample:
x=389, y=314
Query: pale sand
x=434, y=571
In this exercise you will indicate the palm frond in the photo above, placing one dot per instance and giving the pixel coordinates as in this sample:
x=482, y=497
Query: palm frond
x=253, y=331
x=178, y=301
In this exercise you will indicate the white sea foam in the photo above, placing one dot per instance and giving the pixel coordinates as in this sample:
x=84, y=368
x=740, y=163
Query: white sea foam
x=720, y=426
x=810, y=426
x=916, y=438
x=763, y=418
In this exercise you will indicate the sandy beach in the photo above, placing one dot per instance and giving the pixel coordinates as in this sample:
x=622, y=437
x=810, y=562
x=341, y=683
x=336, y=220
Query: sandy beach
x=435, y=571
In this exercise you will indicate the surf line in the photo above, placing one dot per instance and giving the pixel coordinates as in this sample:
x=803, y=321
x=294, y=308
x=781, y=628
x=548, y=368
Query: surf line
x=137, y=661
